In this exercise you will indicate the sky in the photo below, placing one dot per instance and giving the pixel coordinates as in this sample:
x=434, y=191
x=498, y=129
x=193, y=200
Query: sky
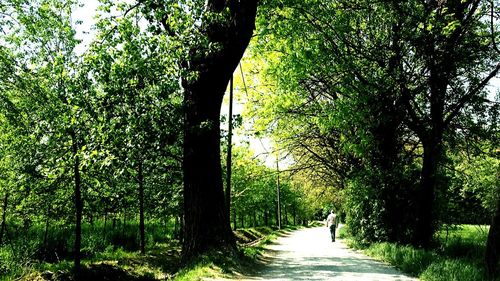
x=84, y=32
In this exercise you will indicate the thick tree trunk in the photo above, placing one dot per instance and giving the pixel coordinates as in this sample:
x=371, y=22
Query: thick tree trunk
x=206, y=220
x=4, y=216
x=140, y=179
x=492, y=255
x=78, y=203
x=206, y=223
x=425, y=221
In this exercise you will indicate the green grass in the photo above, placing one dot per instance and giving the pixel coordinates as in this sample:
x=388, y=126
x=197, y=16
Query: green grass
x=458, y=255
x=408, y=259
x=25, y=254
x=217, y=265
x=114, y=254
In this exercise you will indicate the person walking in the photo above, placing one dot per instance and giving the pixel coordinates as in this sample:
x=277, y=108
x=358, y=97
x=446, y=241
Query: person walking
x=331, y=221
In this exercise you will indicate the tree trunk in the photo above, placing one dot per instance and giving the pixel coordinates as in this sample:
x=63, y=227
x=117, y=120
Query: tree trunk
x=229, y=150
x=124, y=224
x=181, y=230
x=234, y=219
x=4, y=216
x=104, y=228
x=493, y=243
x=78, y=203
x=176, y=226
x=285, y=214
x=140, y=179
x=47, y=224
x=278, y=196
x=206, y=220
x=425, y=202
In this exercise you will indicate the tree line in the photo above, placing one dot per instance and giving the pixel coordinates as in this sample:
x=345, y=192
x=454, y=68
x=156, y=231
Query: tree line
x=387, y=102
x=391, y=101
x=119, y=144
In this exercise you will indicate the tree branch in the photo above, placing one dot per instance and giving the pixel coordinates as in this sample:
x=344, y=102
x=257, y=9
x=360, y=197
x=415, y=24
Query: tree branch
x=467, y=97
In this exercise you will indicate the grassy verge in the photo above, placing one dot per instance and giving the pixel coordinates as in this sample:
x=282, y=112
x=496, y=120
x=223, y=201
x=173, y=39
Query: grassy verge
x=162, y=261
x=215, y=265
x=458, y=255
x=106, y=249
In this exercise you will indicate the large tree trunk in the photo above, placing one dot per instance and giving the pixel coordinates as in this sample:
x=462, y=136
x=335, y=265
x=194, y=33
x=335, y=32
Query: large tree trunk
x=425, y=201
x=492, y=254
x=206, y=221
x=432, y=141
x=432, y=154
x=493, y=243
x=78, y=203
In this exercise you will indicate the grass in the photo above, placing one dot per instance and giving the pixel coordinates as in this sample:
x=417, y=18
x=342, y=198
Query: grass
x=457, y=256
x=160, y=263
x=112, y=257
x=114, y=249
x=217, y=265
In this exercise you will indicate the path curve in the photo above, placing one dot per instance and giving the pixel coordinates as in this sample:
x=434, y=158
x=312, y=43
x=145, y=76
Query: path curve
x=309, y=254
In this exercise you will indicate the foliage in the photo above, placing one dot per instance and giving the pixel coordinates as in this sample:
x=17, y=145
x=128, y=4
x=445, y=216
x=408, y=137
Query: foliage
x=355, y=95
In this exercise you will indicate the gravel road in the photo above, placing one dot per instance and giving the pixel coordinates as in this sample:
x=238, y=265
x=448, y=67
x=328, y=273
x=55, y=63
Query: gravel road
x=309, y=254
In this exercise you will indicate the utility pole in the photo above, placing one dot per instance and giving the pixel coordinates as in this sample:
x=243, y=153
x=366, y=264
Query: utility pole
x=278, y=190
x=229, y=151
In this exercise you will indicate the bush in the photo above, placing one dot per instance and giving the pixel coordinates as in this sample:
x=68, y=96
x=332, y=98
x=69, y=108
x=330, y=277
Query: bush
x=379, y=206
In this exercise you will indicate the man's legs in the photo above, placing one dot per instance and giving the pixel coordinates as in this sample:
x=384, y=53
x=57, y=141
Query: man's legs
x=332, y=232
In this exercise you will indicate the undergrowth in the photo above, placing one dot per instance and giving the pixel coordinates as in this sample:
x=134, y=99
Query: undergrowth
x=458, y=255
x=113, y=254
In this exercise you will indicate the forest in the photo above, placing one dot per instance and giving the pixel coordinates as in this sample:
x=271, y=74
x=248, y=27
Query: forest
x=122, y=139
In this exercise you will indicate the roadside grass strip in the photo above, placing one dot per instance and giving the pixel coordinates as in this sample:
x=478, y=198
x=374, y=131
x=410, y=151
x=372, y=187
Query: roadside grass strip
x=458, y=255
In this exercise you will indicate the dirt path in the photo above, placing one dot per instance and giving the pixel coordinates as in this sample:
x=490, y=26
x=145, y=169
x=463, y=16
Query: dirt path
x=309, y=254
